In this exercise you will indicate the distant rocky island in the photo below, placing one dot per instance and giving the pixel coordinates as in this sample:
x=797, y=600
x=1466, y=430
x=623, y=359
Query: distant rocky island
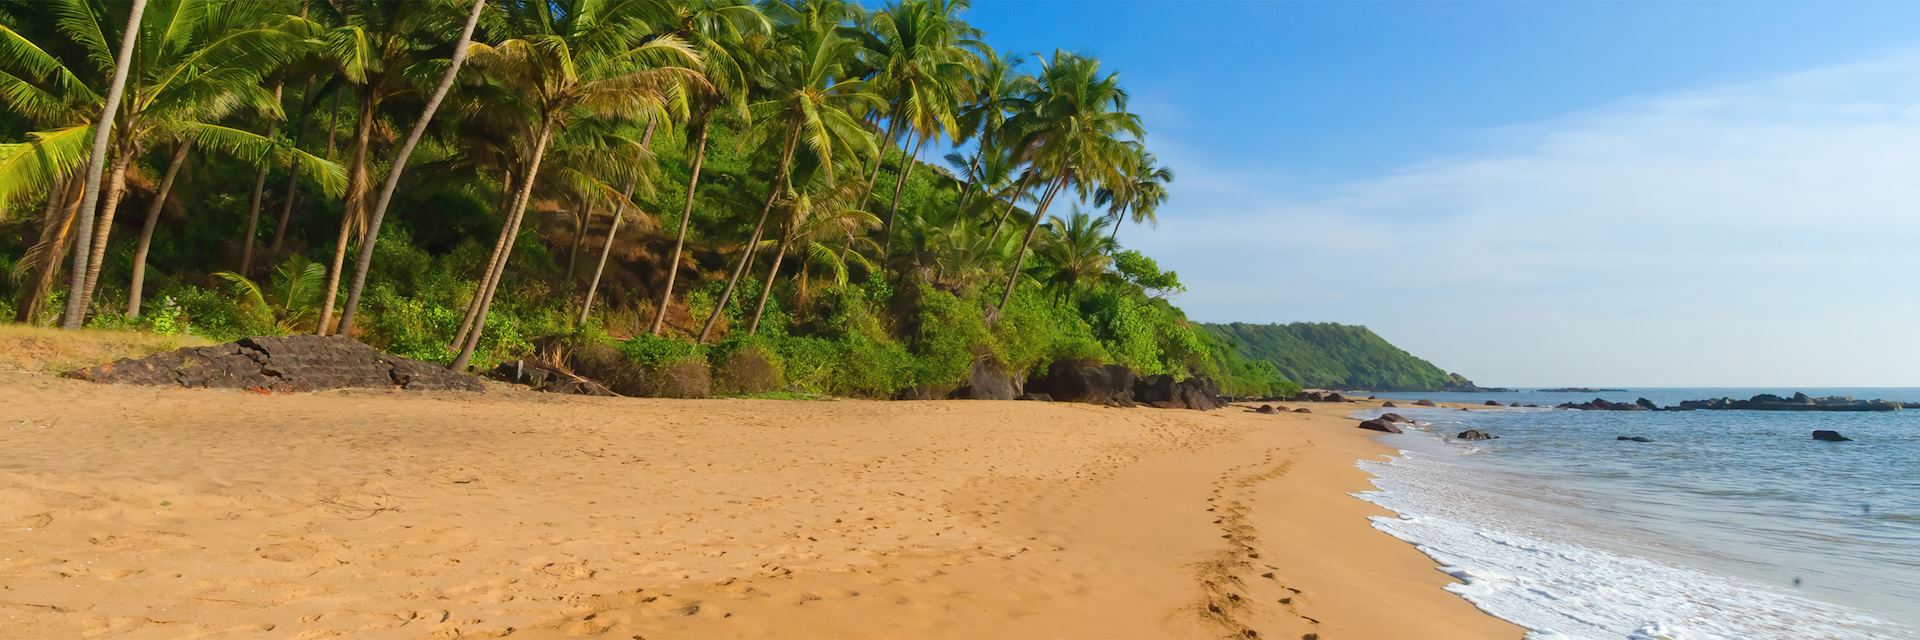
x=1324, y=355
x=1762, y=402
x=1580, y=390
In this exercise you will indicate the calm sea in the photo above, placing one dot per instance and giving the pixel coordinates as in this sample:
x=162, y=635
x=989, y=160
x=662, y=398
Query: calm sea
x=1729, y=524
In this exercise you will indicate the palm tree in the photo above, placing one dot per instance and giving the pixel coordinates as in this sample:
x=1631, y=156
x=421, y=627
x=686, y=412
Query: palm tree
x=77, y=304
x=365, y=260
x=721, y=29
x=923, y=54
x=809, y=99
x=1074, y=128
x=982, y=120
x=1073, y=254
x=188, y=65
x=1141, y=190
x=573, y=59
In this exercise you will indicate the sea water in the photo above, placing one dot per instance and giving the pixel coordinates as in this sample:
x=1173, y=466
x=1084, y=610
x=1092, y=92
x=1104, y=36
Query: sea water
x=1729, y=524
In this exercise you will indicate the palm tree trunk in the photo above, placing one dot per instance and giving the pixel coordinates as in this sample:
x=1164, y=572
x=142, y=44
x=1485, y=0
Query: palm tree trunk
x=365, y=260
x=1019, y=259
x=1119, y=215
x=680, y=243
x=259, y=191
x=76, y=311
x=289, y=193
x=507, y=194
x=899, y=183
x=139, y=280
x=746, y=253
x=613, y=231
x=56, y=237
x=580, y=223
x=880, y=159
x=350, y=214
x=766, y=290
x=103, y=223
x=513, y=229
x=973, y=176
x=1012, y=200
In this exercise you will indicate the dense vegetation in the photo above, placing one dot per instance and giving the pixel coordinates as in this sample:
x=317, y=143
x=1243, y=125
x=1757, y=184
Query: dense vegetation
x=722, y=193
x=1334, y=356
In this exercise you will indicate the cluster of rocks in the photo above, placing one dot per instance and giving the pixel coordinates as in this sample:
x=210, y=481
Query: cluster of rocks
x=1580, y=390
x=283, y=363
x=1762, y=402
x=542, y=377
x=1823, y=435
x=1094, y=383
x=1270, y=409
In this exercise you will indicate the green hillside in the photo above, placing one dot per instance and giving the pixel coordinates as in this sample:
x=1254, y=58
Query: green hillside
x=1338, y=356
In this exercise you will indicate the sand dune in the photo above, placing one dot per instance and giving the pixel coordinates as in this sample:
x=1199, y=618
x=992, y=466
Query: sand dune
x=132, y=512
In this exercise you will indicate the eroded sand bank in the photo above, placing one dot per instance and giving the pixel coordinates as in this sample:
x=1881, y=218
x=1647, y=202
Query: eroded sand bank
x=163, y=513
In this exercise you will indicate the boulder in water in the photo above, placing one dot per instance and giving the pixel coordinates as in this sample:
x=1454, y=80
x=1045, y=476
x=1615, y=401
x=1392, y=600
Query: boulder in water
x=1824, y=435
x=1378, y=424
x=1634, y=439
x=1475, y=434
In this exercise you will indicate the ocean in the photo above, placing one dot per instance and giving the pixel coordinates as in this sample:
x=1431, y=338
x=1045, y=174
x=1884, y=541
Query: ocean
x=1728, y=524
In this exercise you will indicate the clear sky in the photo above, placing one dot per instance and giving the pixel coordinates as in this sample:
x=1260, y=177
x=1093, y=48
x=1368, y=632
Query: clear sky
x=1535, y=193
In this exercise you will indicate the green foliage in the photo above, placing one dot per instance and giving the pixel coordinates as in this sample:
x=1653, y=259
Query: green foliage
x=1141, y=271
x=1120, y=322
x=950, y=334
x=1328, y=355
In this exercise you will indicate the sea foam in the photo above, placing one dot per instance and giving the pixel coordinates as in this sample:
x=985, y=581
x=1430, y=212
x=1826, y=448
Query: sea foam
x=1538, y=573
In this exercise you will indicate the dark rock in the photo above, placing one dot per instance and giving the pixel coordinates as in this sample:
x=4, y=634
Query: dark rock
x=1335, y=397
x=1393, y=417
x=1513, y=404
x=1647, y=404
x=1475, y=434
x=1492, y=403
x=1389, y=405
x=1084, y=381
x=1424, y=403
x=1035, y=397
x=1580, y=390
x=1378, y=424
x=1267, y=409
x=548, y=379
x=1830, y=436
x=1634, y=439
x=1192, y=393
x=1602, y=404
x=281, y=363
x=1302, y=410
x=987, y=381
x=1799, y=402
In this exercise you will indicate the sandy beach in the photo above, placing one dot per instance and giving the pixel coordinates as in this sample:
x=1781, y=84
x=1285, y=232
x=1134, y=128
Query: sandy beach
x=143, y=512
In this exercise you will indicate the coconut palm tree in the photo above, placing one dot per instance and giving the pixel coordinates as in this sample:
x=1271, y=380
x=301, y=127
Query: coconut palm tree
x=923, y=54
x=1075, y=129
x=1073, y=255
x=1140, y=191
x=573, y=59
x=379, y=214
x=189, y=65
x=982, y=119
x=809, y=103
x=726, y=32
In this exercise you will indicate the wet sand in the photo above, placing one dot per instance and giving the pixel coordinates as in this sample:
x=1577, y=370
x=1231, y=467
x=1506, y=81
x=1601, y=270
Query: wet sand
x=133, y=512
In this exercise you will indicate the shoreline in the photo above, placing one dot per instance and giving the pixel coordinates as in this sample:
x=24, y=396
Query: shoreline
x=156, y=511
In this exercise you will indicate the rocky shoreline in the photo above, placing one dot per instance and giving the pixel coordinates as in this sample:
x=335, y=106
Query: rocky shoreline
x=1762, y=402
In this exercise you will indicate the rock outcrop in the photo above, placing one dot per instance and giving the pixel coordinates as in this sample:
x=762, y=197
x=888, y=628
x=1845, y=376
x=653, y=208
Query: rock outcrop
x=1475, y=434
x=1394, y=417
x=1824, y=435
x=1424, y=403
x=281, y=363
x=1164, y=392
x=1634, y=439
x=541, y=377
x=987, y=381
x=1762, y=402
x=1378, y=424
x=1082, y=381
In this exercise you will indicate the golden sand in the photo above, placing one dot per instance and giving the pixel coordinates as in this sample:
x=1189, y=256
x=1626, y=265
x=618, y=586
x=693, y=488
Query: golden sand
x=134, y=512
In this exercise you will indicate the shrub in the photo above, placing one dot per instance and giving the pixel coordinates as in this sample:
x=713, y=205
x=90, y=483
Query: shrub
x=669, y=368
x=950, y=333
x=809, y=362
x=746, y=366
x=872, y=368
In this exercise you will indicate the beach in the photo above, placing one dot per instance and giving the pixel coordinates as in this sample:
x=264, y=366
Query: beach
x=145, y=512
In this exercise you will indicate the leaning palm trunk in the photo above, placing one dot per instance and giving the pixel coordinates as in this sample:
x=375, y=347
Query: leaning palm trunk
x=1012, y=201
x=509, y=192
x=103, y=223
x=879, y=160
x=680, y=243
x=513, y=229
x=259, y=191
x=350, y=214
x=46, y=255
x=746, y=252
x=613, y=231
x=77, y=302
x=580, y=223
x=138, y=283
x=973, y=176
x=1119, y=215
x=899, y=183
x=766, y=289
x=1019, y=259
x=290, y=195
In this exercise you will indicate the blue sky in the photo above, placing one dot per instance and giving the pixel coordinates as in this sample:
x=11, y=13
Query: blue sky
x=1619, y=193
